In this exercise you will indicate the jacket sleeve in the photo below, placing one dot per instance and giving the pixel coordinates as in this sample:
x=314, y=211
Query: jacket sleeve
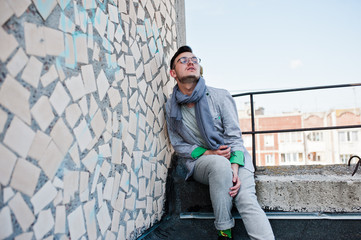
x=231, y=130
x=181, y=147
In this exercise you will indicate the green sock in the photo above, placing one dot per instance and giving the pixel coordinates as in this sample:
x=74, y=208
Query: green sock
x=225, y=233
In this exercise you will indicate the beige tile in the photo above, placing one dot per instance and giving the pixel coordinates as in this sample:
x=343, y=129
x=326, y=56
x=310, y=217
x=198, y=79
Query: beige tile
x=100, y=21
x=45, y=9
x=60, y=219
x=17, y=63
x=6, y=11
x=7, y=163
x=51, y=160
x=8, y=43
x=44, y=224
x=89, y=4
x=19, y=137
x=49, y=76
x=54, y=42
x=62, y=136
x=90, y=160
x=81, y=48
x=89, y=213
x=72, y=114
x=25, y=177
x=39, y=145
x=76, y=224
x=59, y=99
x=88, y=78
x=34, y=40
x=42, y=112
x=65, y=24
x=103, y=218
x=43, y=197
x=22, y=212
x=76, y=87
x=83, y=135
x=6, y=226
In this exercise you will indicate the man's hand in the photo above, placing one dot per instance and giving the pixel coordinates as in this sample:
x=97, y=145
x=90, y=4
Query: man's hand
x=235, y=180
x=223, y=151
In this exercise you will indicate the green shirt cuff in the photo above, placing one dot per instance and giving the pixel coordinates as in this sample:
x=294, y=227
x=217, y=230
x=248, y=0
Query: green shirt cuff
x=237, y=157
x=196, y=153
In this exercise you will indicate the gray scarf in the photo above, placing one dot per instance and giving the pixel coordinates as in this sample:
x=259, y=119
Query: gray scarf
x=203, y=114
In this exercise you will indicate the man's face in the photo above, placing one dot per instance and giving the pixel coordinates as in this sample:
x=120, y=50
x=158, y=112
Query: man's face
x=187, y=72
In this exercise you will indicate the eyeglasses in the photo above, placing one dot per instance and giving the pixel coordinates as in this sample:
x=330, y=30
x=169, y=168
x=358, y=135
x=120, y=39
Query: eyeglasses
x=185, y=60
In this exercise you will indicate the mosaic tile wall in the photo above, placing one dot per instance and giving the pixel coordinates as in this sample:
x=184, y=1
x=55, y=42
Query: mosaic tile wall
x=84, y=151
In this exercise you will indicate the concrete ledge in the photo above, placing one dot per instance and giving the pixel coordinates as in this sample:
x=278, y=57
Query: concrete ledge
x=289, y=189
x=309, y=189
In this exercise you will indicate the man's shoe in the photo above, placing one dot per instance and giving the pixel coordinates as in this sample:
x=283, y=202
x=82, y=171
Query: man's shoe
x=223, y=238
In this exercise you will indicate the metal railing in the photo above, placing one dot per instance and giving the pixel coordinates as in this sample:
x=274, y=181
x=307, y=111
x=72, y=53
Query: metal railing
x=253, y=132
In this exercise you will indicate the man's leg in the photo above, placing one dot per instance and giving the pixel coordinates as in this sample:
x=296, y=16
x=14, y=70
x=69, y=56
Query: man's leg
x=215, y=171
x=253, y=217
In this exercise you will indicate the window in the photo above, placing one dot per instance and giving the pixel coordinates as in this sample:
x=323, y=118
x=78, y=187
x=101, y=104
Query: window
x=315, y=136
x=289, y=158
x=269, y=140
x=348, y=136
x=291, y=137
x=345, y=157
x=247, y=141
x=270, y=159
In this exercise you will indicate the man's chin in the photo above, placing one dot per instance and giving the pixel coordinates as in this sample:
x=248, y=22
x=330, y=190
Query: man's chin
x=189, y=79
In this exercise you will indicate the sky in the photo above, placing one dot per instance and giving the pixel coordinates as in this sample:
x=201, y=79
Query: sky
x=251, y=45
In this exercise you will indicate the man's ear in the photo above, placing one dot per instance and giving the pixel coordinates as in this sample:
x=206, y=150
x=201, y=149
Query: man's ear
x=173, y=73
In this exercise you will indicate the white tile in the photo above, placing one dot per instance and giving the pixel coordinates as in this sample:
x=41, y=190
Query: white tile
x=70, y=54
x=122, y=6
x=98, y=124
x=93, y=108
x=100, y=194
x=8, y=42
x=107, y=194
x=34, y=40
x=25, y=177
x=81, y=48
x=42, y=112
x=105, y=169
x=141, y=204
x=130, y=65
x=83, y=104
x=140, y=70
x=119, y=203
x=133, y=100
x=90, y=160
x=124, y=182
x=100, y=21
x=63, y=3
x=113, y=13
x=65, y=24
x=119, y=33
x=129, y=143
x=114, y=97
x=6, y=11
x=22, y=212
x=19, y=137
x=107, y=45
x=8, y=193
x=71, y=185
x=91, y=224
x=115, y=221
x=60, y=70
x=43, y=197
x=130, y=202
x=103, y=218
x=76, y=223
x=88, y=78
x=72, y=114
x=139, y=222
x=96, y=52
x=142, y=188
x=58, y=199
x=44, y=224
x=54, y=41
x=76, y=87
x=115, y=125
x=133, y=179
x=103, y=84
x=17, y=63
x=110, y=31
x=74, y=154
x=60, y=219
x=135, y=51
x=95, y=178
x=25, y=236
x=117, y=146
x=58, y=183
x=7, y=163
x=51, y=160
x=84, y=21
x=49, y=76
x=89, y=4
x=84, y=181
x=133, y=122
x=115, y=188
x=104, y=151
x=59, y=99
x=6, y=226
x=62, y=136
x=45, y=8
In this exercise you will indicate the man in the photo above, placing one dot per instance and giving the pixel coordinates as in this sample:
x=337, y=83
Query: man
x=204, y=130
